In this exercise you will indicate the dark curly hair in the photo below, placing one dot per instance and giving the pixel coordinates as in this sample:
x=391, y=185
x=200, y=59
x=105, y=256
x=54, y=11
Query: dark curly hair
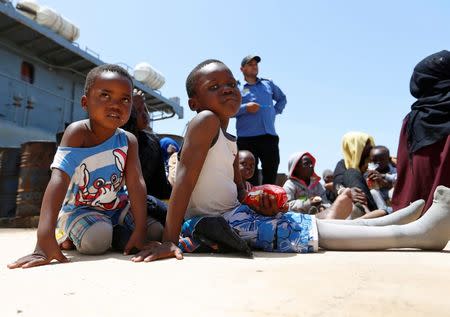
x=191, y=80
x=95, y=72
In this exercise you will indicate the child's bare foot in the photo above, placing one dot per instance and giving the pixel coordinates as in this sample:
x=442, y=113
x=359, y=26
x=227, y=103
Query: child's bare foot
x=67, y=245
x=340, y=209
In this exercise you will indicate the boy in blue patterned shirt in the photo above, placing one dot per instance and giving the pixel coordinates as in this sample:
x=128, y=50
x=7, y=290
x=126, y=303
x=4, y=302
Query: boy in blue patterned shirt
x=86, y=197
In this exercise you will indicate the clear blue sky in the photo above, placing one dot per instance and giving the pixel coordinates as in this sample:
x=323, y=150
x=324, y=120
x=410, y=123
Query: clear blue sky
x=344, y=65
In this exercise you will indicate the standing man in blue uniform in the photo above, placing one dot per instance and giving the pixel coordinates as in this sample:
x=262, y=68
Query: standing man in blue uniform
x=255, y=121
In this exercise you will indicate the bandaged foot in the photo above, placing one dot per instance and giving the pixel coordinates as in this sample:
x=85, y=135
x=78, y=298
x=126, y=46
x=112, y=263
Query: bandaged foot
x=433, y=228
x=399, y=217
x=430, y=232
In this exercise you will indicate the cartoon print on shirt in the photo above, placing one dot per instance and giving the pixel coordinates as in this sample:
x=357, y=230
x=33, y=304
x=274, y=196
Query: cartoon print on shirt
x=102, y=193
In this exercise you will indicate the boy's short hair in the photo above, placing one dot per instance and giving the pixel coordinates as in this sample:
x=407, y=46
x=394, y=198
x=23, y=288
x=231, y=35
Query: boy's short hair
x=96, y=71
x=191, y=80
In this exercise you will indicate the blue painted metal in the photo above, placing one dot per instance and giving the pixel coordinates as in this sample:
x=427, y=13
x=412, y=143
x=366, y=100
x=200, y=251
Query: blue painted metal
x=52, y=100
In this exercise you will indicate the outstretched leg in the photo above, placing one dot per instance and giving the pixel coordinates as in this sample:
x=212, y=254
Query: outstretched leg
x=430, y=232
x=399, y=217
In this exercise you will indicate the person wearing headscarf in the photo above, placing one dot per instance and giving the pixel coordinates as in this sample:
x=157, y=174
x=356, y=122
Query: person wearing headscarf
x=168, y=147
x=423, y=156
x=349, y=172
x=303, y=185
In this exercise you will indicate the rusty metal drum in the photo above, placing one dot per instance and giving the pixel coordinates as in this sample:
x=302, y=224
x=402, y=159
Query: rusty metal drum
x=9, y=173
x=35, y=160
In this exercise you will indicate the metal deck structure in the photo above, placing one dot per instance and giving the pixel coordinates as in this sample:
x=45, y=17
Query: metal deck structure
x=39, y=43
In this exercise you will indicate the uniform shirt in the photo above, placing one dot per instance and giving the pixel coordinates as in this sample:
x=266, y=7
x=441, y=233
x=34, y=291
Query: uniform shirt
x=262, y=122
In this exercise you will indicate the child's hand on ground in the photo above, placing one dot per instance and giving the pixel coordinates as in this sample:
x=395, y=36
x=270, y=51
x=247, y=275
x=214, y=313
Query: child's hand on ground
x=267, y=205
x=156, y=250
x=137, y=240
x=252, y=107
x=47, y=249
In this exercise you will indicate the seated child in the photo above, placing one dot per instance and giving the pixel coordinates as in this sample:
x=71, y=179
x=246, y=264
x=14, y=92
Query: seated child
x=246, y=167
x=381, y=177
x=304, y=190
x=254, y=193
x=168, y=146
x=86, y=198
x=330, y=192
x=349, y=172
x=150, y=153
x=209, y=184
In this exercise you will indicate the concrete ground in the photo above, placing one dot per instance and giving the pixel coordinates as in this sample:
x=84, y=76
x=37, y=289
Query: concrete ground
x=391, y=283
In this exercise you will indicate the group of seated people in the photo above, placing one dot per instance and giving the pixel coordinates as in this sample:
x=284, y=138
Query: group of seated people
x=103, y=179
x=371, y=175
x=361, y=185
x=306, y=194
x=366, y=168
x=372, y=182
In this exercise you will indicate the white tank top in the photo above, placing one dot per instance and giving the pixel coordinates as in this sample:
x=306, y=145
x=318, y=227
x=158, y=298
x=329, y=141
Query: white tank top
x=215, y=192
